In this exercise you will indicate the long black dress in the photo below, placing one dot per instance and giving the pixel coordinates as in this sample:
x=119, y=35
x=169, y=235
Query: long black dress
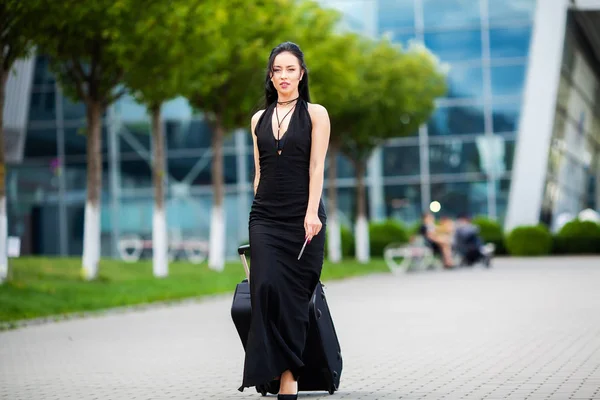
x=280, y=285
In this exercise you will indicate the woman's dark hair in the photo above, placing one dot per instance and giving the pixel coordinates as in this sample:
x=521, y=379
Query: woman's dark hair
x=270, y=91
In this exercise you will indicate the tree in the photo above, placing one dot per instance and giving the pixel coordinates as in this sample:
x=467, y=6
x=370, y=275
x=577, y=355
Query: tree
x=233, y=42
x=396, y=95
x=15, y=42
x=86, y=46
x=333, y=63
x=153, y=74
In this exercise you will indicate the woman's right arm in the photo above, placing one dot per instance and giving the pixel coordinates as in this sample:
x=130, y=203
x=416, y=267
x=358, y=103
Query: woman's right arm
x=253, y=123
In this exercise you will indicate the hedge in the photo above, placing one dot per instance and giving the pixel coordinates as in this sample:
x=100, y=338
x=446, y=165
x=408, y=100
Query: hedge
x=578, y=237
x=529, y=241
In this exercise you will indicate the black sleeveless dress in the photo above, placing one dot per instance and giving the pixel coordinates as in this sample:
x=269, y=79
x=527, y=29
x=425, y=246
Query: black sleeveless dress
x=281, y=285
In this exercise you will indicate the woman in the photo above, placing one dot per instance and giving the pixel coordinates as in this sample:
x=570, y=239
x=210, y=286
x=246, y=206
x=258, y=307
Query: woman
x=291, y=136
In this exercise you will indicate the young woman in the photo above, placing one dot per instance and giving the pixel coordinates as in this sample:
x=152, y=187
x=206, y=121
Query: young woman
x=291, y=137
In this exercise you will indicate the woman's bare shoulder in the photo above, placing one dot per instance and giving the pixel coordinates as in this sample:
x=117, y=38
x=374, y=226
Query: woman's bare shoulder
x=317, y=111
x=256, y=116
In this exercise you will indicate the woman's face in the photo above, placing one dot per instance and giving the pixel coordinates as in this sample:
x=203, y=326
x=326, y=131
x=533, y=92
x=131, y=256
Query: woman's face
x=286, y=73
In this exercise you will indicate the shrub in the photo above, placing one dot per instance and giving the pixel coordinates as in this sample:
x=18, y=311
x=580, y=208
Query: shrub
x=491, y=232
x=383, y=233
x=347, y=241
x=529, y=241
x=578, y=237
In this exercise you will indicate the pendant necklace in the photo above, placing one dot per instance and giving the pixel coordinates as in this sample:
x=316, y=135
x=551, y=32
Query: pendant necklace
x=283, y=119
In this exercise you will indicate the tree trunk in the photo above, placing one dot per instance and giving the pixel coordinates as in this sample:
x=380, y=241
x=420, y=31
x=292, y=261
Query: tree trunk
x=91, y=235
x=334, y=236
x=216, y=253
x=160, y=264
x=3, y=216
x=362, y=225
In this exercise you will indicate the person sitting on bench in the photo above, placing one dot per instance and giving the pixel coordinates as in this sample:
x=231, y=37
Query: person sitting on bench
x=440, y=244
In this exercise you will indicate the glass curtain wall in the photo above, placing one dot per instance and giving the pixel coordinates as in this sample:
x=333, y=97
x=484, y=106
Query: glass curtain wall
x=574, y=158
x=463, y=157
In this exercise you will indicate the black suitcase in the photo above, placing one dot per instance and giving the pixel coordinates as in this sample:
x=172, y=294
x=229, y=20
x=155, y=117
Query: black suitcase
x=322, y=354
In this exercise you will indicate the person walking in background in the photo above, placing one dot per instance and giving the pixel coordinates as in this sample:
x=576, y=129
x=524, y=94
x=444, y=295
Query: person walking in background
x=291, y=137
x=439, y=241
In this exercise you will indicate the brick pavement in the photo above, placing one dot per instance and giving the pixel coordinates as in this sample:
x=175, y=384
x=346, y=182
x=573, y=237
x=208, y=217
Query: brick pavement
x=526, y=329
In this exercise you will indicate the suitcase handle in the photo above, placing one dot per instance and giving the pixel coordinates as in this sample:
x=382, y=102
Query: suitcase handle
x=242, y=252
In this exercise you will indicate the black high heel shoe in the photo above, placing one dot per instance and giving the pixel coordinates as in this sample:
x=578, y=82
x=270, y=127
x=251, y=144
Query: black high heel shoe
x=287, y=397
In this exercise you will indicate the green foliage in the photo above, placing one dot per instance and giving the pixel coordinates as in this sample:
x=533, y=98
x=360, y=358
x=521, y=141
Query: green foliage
x=88, y=44
x=228, y=50
x=155, y=50
x=347, y=241
x=395, y=94
x=16, y=20
x=491, y=232
x=529, y=241
x=578, y=237
x=383, y=233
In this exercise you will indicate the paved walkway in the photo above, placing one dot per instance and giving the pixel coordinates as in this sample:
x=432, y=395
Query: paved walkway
x=526, y=329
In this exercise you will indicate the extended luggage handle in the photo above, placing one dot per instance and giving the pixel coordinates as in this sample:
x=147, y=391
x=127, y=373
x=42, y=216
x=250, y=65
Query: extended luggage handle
x=242, y=252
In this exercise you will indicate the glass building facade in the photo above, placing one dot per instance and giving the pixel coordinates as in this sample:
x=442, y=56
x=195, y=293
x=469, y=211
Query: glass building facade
x=574, y=161
x=462, y=158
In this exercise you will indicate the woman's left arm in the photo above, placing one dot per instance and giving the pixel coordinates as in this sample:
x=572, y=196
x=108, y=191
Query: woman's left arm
x=320, y=142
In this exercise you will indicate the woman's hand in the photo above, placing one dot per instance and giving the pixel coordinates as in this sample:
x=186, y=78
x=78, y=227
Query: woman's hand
x=312, y=225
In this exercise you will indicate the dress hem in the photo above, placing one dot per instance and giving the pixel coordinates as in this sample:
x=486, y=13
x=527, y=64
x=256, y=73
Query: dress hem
x=295, y=372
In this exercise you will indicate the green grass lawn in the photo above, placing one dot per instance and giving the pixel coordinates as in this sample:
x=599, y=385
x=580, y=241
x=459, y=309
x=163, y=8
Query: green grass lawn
x=41, y=287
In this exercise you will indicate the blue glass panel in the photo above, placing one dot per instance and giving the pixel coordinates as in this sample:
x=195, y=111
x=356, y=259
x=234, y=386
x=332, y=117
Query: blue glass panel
x=401, y=37
x=502, y=190
x=394, y=14
x=353, y=12
x=179, y=167
x=461, y=197
x=465, y=81
x=455, y=45
x=187, y=134
x=178, y=108
x=401, y=161
x=136, y=173
x=40, y=143
x=451, y=13
x=505, y=115
x=42, y=106
x=73, y=110
x=508, y=80
x=129, y=110
x=345, y=168
x=135, y=135
x=510, y=42
x=486, y=155
x=510, y=11
x=42, y=74
x=403, y=203
x=76, y=178
x=76, y=140
x=456, y=120
x=454, y=156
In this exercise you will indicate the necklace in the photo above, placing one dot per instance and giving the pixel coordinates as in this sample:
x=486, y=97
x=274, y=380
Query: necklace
x=279, y=124
x=285, y=103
